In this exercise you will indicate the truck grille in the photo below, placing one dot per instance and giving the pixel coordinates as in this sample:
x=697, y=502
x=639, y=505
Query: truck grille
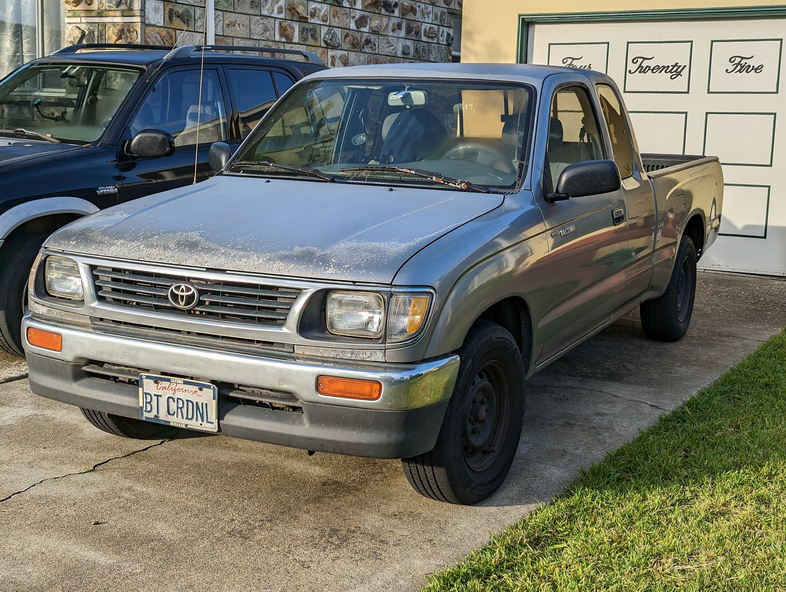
x=190, y=338
x=245, y=303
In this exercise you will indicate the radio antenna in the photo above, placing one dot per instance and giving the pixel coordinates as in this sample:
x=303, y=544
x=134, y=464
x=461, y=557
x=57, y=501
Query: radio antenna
x=199, y=106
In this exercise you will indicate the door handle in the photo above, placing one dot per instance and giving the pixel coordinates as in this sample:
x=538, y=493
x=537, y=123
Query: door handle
x=618, y=216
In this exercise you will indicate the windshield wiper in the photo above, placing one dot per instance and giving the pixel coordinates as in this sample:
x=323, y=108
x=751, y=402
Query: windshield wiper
x=430, y=175
x=28, y=134
x=286, y=167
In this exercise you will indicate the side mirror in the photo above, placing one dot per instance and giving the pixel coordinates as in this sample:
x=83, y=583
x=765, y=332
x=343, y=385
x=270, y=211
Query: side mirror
x=219, y=156
x=591, y=177
x=151, y=143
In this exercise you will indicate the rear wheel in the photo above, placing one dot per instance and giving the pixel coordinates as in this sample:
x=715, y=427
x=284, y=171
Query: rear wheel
x=16, y=259
x=667, y=318
x=480, y=432
x=127, y=427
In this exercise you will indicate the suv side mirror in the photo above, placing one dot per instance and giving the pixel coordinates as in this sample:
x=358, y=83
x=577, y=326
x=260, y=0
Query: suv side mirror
x=151, y=143
x=219, y=156
x=591, y=177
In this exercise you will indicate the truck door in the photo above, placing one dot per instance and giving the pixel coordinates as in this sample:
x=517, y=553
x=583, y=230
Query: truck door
x=640, y=212
x=173, y=105
x=588, y=246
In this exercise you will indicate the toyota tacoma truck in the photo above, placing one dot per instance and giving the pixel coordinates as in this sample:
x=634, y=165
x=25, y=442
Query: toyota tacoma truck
x=377, y=269
x=94, y=125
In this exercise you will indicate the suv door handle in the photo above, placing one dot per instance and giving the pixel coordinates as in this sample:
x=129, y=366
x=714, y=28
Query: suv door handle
x=618, y=216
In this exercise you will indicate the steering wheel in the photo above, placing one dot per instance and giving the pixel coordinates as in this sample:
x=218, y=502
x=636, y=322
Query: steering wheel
x=482, y=154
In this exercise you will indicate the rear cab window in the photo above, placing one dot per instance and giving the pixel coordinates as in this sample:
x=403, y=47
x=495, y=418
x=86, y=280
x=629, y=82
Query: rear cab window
x=619, y=132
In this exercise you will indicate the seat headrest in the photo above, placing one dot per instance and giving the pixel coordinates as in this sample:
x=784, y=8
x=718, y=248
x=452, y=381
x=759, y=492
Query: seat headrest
x=556, y=133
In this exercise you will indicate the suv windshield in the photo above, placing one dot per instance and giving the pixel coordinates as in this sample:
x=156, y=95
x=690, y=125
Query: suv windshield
x=70, y=102
x=462, y=134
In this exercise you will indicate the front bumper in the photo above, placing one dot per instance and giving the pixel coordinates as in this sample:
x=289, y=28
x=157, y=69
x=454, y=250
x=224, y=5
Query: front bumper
x=403, y=422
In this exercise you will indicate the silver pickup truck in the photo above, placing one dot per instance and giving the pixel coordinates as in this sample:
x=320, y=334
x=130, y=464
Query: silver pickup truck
x=377, y=270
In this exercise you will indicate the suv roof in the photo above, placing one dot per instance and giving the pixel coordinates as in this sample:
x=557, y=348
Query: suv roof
x=146, y=55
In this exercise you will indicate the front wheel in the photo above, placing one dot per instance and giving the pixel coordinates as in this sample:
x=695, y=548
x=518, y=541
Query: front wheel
x=667, y=318
x=16, y=259
x=480, y=432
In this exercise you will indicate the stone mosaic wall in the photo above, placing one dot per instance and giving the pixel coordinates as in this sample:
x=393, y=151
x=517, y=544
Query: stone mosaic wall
x=341, y=32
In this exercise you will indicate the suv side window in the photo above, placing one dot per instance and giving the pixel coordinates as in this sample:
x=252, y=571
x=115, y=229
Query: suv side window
x=283, y=82
x=621, y=143
x=254, y=94
x=173, y=106
x=574, y=134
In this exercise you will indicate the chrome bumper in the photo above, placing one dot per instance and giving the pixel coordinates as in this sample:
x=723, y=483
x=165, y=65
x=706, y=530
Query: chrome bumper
x=404, y=386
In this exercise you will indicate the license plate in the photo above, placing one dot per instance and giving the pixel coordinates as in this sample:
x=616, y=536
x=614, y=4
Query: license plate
x=178, y=402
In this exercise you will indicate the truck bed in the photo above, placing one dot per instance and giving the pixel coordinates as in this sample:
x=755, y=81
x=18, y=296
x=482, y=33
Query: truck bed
x=654, y=164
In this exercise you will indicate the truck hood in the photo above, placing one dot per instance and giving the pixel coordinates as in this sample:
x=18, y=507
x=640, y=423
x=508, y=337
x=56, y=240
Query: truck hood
x=304, y=229
x=14, y=150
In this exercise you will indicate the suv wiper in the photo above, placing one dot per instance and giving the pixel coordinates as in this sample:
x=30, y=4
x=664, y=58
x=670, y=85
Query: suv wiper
x=28, y=134
x=436, y=177
x=287, y=167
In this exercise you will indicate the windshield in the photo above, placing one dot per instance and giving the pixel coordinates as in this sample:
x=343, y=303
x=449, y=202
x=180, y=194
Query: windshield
x=395, y=132
x=70, y=102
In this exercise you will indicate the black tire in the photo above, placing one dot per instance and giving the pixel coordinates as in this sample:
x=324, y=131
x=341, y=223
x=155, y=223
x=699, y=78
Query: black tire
x=480, y=433
x=667, y=318
x=128, y=427
x=16, y=259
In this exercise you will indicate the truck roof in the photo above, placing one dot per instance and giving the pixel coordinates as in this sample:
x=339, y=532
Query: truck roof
x=526, y=73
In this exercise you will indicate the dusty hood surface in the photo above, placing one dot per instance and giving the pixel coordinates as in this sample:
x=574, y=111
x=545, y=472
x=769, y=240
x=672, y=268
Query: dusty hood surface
x=291, y=228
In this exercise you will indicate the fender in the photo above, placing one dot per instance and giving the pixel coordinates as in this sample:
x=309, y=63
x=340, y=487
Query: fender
x=18, y=215
x=479, y=288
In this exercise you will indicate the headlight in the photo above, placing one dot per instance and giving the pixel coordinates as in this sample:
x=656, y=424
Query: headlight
x=62, y=278
x=355, y=314
x=407, y=315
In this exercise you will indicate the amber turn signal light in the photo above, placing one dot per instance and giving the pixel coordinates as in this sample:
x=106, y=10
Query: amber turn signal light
x=45, y=339
x=349, y=388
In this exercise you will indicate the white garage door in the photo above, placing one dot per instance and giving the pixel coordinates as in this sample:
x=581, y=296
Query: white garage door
x=701, y=87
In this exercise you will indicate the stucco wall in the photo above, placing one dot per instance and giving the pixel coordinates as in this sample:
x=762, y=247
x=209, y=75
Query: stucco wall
x=491, y=35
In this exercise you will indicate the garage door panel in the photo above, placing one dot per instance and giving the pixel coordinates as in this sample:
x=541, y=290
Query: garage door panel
x=740, y=139
x=661, y=131
x=702, y=87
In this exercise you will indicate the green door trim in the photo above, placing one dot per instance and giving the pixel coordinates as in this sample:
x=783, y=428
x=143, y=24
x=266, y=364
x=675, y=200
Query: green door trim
x=677, y=14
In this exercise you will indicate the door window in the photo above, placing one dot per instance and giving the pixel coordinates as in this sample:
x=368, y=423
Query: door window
x=283, y=82
x=574, y=134
x=254, y=94
x=173, y=106
x=621, y=143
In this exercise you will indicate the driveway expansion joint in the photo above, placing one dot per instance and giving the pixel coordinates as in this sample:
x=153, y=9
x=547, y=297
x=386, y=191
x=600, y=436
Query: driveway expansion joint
x=616, y=396
x=90, y=470
x=13, y=378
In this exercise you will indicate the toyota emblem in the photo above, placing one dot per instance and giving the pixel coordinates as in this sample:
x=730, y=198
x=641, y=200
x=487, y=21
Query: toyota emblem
x=183, y=296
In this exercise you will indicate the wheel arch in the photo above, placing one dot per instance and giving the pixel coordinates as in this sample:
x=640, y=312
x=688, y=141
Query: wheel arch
x=48, y=212
x=695, y=230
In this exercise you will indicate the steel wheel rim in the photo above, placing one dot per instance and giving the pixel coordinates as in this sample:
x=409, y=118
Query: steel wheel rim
x=486, y=416
x=683, y=290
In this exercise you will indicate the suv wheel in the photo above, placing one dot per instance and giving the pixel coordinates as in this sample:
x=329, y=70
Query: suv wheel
x=16, y=259
x=480, y=432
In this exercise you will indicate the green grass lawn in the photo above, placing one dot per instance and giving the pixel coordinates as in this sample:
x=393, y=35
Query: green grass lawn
x=697, y=502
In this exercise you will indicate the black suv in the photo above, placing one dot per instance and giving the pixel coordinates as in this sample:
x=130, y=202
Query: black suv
x=91, y=126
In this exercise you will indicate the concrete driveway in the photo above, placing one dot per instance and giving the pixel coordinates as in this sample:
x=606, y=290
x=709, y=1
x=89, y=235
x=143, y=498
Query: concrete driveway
x=81, y=510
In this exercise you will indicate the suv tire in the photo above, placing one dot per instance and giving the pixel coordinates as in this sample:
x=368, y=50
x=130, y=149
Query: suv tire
x=480, y=432
x=16, y=259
